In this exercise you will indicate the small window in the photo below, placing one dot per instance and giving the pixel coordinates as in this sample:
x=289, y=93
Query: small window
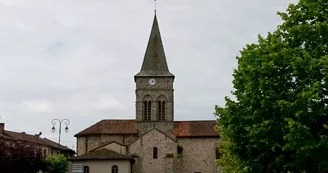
x=114, y=169
x=86, y=169
x=155, y=153
x=45, y=153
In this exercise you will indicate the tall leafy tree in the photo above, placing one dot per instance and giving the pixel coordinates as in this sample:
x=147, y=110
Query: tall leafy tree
x=279, y=119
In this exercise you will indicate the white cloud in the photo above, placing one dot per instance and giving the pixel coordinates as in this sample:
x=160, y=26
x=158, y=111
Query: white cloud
x=39, y=106
x=111, y=104
x=6, y=2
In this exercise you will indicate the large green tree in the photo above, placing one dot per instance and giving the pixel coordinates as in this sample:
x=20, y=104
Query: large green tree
x=278, y=121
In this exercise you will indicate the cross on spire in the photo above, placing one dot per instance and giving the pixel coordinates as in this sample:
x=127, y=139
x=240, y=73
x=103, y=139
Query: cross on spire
x=155, y=6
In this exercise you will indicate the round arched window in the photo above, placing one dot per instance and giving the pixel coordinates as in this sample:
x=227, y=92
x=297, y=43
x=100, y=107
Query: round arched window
x=114, y=169
x=86, y=169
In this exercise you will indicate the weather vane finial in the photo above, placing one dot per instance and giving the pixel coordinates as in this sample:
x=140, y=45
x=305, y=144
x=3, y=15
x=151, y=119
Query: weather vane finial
x=155, y=6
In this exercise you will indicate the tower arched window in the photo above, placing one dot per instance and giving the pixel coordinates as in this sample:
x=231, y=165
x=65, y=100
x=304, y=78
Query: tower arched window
x=147, y=109
x=114, y=169
x=161, y=109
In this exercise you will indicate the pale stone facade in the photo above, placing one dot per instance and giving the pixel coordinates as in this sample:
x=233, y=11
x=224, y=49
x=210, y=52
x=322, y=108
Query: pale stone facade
x=153, y=142
x=105, y=166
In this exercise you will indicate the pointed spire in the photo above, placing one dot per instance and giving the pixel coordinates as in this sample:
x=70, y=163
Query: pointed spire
x=154, y=63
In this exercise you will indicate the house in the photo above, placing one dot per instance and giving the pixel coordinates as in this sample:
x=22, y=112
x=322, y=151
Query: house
x=47, y=146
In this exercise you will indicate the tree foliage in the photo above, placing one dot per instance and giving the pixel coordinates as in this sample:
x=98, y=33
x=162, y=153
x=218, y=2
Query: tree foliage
x=279, y=122
x=56, y=164
x=20, y=156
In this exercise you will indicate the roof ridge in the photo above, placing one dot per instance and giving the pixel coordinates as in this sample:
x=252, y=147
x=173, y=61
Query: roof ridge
x=102, y=154
x=105, y=144
x=153, y=128
x=110, y=127
x=118, y=120
x=196, y=121
x=23, y=133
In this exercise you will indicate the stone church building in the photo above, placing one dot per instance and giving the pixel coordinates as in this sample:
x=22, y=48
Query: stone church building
x=152, y=142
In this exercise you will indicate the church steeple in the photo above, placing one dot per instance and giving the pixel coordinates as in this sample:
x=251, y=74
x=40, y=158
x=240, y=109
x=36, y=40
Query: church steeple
x=154, y=84
x=154, y=63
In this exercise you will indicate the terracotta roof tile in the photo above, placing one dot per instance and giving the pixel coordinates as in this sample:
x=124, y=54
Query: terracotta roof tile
x=35, y=139
x=55, y=145
x=24, y=137
x=110, y=127
x=4, y=136
x=102, y=154
x=195, y=129
x=181, y=128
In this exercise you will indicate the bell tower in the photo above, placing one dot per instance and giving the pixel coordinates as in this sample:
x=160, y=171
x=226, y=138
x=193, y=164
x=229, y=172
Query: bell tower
x=154, y=83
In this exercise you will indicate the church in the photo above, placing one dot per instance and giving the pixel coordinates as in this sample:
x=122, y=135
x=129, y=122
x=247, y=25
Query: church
x=152, y=142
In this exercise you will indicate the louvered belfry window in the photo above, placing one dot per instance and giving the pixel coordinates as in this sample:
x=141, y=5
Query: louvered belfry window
x=147, y=111
x=161, y=111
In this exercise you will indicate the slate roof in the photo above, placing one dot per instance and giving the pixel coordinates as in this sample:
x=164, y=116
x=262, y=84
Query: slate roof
x=102, y=154
x=154, y=63
x=111, y=127
x=181, y=128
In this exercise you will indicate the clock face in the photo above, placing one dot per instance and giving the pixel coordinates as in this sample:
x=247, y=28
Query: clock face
x=152, y=81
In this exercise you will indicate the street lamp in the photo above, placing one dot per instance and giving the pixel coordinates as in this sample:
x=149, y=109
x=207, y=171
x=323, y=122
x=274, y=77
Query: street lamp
x=53, y=129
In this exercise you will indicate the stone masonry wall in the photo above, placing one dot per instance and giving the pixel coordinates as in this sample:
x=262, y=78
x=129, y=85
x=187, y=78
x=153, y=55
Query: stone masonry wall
x=160, y=125
x=93, y=142
x=162, y=89
x=123, y=139
x=198, y=155
x=143, y=147
x=87, y=143
x=80, y=146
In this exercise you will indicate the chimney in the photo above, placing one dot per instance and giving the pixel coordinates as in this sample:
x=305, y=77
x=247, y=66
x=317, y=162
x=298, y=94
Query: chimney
x=2, y=127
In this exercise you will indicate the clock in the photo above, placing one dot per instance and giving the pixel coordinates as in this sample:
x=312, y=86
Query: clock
x=152, y=81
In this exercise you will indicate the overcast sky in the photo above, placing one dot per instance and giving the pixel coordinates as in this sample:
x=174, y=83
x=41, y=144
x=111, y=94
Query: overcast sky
x=76, y=59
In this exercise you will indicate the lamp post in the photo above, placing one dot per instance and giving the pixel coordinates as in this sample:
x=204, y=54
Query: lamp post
x=53, y=122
